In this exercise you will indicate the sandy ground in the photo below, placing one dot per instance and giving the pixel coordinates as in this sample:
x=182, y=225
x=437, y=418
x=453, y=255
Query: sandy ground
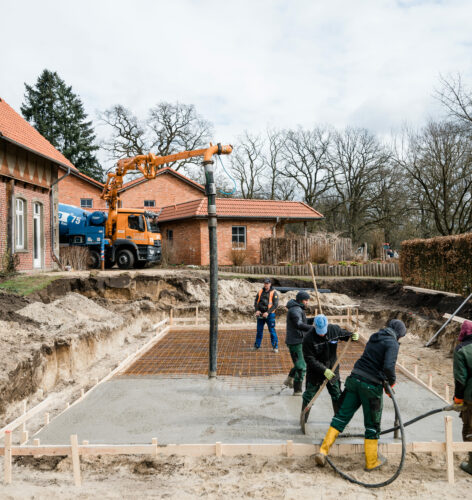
x=229, y=477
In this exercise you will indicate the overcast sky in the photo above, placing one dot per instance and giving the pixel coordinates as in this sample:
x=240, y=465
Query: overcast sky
x=244, y=64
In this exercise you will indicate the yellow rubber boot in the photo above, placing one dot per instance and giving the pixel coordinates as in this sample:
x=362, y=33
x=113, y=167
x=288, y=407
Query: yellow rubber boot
x=330, y=438
x=373, y=461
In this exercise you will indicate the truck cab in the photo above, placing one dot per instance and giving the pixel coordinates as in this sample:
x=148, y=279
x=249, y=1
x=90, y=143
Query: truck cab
x=135, y=238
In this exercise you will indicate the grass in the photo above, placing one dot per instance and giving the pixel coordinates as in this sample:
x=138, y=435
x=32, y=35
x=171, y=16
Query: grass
x=24, y=284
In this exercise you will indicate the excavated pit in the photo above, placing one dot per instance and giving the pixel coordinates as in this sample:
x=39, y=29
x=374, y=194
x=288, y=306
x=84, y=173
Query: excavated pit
x=65, y=362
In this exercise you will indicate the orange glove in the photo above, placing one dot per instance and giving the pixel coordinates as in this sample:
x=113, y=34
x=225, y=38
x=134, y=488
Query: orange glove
x=386, y=391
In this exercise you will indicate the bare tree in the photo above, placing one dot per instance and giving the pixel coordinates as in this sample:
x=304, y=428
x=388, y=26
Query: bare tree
x=169, y=128
x=358, y=163
x=438, y=160
x=456, y=98
x=249, y=165
x=306, y=156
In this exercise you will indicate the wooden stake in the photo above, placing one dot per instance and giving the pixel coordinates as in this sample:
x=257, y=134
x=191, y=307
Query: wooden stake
x=449, y=449
x=289, y=448
x=46, y=418
x=316, y=288
x=415, y=370
x=7, y=464
x=196, y=315
x=446, y=397
x=82, y=393
x=85, y=442
x=74, y=443
x=430, y=380
x=36, y=442
x=171, y=317
x=218, y=449
x=349, y=317
x=24, y=437
x=154, y=443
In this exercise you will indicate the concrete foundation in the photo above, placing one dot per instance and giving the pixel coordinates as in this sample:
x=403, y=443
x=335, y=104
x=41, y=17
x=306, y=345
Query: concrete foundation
x=132, y=410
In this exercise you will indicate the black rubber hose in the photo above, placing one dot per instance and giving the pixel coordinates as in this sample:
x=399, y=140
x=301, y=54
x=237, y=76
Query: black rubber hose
x=402, y=460
x=392, y=429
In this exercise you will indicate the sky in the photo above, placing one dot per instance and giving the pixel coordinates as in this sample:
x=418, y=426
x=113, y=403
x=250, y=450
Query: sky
x=245, y=65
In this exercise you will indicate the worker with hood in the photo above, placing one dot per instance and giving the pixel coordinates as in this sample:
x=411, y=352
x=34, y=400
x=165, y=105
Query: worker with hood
x=297, y=326
x=364, y=387
x=320, y=353
x=463, y=385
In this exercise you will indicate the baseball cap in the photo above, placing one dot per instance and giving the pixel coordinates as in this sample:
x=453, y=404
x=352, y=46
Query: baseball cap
x=321, y=324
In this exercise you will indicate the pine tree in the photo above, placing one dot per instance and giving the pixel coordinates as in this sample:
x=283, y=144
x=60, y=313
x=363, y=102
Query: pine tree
x=57, y=113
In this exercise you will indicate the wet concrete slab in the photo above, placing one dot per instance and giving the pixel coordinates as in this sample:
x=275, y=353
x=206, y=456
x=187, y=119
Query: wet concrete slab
x=132, y=410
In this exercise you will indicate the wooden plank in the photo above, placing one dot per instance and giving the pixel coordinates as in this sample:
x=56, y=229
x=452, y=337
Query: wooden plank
x=124, y=449
x=411, y=376
x=218, y=449
x=7, y=460
x=449, y=449
x=74, y=443
x=431, y=292
x=25, y=417
x=458, y=319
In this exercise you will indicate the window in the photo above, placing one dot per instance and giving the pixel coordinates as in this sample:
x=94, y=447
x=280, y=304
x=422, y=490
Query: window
x=20, y=228
x=86, y=203
x=149, y=203
x=170, y=235
x=238, y=237
x=136, y=222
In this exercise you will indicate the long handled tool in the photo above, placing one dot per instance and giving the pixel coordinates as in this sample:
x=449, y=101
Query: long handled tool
x=323, y=385
x=316, y=288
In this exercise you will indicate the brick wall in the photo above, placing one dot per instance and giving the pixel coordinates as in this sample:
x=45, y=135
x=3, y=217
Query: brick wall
x=31, y=194
x=186, y=246
x=191, y=244
x=164, y=189
x=72, y=189
x=3, y=216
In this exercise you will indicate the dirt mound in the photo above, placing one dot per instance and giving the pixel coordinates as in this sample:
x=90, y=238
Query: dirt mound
x=70, y=314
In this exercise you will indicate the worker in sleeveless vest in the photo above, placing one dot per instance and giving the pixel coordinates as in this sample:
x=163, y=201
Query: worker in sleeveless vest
x=265, y=304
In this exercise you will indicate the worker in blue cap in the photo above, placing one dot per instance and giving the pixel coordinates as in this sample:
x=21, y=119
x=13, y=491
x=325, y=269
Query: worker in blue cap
x=320, y=353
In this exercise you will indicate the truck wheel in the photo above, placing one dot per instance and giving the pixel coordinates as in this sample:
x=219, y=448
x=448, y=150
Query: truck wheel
x=93, y=260
x=125, y=259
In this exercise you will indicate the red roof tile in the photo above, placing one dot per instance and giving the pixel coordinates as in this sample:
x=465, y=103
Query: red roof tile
x=164, y=170
x=16, y=129
x=241, y=208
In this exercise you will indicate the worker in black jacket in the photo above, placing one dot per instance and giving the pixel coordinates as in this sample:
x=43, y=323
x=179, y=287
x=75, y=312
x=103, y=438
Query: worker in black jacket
x=297, y=326
x=320, y=353
x=265, y=305
x=364, y=387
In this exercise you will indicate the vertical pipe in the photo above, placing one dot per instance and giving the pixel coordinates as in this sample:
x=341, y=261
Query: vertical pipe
x=210, y=190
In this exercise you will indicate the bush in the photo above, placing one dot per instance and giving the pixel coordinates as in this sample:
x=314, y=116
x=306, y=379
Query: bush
x=319, y=253
x=76, y=257
x=442, y=263
x=167, y=251
x=10, y=263
x=238, y=256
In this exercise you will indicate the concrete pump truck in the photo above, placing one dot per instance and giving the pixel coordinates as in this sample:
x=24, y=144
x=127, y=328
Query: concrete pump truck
x=128, y=237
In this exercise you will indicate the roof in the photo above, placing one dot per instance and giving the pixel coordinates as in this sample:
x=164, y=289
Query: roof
x=14, y=128
x=238, y=208
x=165, y=170
x=86, y=178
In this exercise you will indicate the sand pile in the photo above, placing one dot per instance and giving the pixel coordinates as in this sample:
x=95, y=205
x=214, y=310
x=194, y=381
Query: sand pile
x=71, y=314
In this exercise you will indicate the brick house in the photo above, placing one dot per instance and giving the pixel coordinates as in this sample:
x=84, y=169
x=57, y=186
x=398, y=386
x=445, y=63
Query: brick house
x=80, y=190
x=29, y=167
x=241, y=225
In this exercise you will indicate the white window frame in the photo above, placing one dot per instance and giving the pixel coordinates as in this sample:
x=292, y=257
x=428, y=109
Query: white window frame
x=20, y=226
x=236, y=245
x=84, y=205
x=37, y=237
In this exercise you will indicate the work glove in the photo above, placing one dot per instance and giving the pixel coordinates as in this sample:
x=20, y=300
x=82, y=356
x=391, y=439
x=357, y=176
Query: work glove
x=329, y=374
x=458, y=404
x=386, y=390
x=355, y=336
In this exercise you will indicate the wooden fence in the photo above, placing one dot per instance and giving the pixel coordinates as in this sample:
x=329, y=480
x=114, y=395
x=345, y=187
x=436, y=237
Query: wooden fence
x=276, y=250
x=374, y=269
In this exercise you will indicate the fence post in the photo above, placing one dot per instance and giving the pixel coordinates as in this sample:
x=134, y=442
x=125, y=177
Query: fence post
x=7, y=459
x=449, y=450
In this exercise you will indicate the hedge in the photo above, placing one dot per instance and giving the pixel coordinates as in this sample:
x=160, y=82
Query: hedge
x=442, y=263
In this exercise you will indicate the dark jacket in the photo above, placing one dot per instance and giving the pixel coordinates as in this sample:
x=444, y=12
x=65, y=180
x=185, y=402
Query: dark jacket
x=297, y=323
x=320, y=352
x=263, y=304
x=463, y=369
x=378, y=360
